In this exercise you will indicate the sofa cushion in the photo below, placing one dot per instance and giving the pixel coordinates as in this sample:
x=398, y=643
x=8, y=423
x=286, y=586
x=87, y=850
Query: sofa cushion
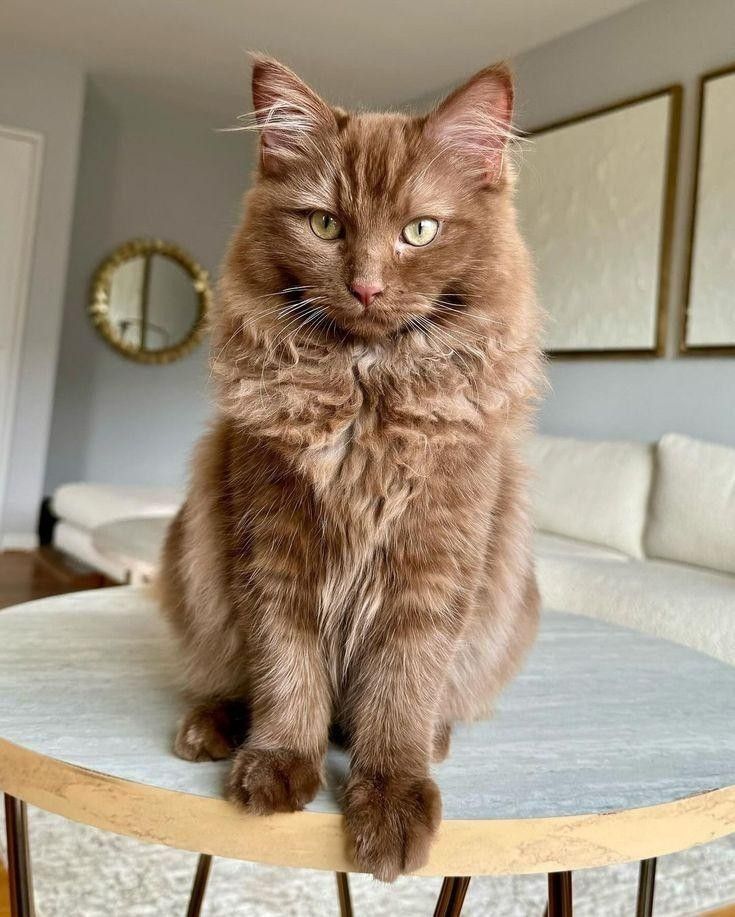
x=692, y=515
x=90, y=505
x=76, y=541
x=592, y=491
x=136, y=542
x=546, y=545
x=686, y=604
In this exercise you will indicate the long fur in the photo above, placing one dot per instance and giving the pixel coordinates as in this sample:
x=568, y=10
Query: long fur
x=354, y=550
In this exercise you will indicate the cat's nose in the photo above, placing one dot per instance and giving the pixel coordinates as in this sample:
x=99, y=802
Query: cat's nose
x=366, y=292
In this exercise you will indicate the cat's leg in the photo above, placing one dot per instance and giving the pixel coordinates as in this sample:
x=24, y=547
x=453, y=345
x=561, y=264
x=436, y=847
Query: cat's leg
x=392, y=806
x=279, y=768
x=212, y=731
x=497, y=638
x=441, y=740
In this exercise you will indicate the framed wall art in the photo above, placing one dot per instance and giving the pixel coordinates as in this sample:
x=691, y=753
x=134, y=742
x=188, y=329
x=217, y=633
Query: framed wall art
x=596, y=200
x=708, y=321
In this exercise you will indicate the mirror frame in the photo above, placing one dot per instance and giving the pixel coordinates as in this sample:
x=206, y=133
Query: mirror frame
x=699, y=350
x=674, y=92
x=100, y=296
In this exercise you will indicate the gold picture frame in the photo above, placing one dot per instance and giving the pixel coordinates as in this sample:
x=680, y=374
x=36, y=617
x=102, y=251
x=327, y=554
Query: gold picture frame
x=99, y=299
x=674, y=92
x=699, y=350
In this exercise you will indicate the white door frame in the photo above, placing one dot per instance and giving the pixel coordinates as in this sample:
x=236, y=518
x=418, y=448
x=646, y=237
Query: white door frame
x=19, y=306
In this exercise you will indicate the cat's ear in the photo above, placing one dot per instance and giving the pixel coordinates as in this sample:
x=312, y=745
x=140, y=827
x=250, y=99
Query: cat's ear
x=287, y=112
x=474, y=122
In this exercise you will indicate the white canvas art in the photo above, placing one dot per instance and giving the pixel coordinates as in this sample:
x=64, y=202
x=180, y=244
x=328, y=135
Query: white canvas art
x=711, y=312
x=592, y=201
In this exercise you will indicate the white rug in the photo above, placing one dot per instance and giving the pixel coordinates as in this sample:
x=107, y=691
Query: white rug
x=82, y=872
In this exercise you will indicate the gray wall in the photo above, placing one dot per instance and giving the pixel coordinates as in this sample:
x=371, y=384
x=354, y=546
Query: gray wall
x=149, y=169
x=41, y=92
x=649, y=46
x=145, y=170
x=653, y=44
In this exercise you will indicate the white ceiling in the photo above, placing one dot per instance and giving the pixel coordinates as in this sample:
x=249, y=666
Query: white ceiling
x=369, y=52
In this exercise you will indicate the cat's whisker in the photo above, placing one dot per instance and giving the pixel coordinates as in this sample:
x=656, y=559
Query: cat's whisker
x=284, y=310
x=469, y=373
x=289, y=341
x=450, y=307
x=222, y=349
x=281, y=292
x=459, y=329
x=443, y=318
x=255, y=320
x=316, y=317
x=295, y=309
x=271, y=348
x=457, y=346
x=296, y=306
x=458, y=343
x=429, y=332
x=278, y=340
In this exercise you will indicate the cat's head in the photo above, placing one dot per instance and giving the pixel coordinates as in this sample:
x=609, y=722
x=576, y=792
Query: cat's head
x=364, y=225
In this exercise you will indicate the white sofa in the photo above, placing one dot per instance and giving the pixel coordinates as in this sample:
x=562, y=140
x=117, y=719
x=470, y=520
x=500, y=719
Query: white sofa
x=631, y=533
x=81, y=508
x=639, y=535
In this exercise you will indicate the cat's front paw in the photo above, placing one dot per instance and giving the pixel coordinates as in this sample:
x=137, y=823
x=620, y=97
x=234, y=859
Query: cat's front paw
x=391, y=822
x=210, y=732
x=273, y=780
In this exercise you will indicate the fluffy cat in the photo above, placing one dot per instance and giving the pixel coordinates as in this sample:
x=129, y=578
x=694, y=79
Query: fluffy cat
x=355, y=551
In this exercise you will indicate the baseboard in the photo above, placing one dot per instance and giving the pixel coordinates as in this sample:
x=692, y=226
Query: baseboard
x=19, y=541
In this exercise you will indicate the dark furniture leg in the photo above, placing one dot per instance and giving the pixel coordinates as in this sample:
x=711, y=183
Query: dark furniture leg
x=343, y=892
x=201, y=876
x=451, y=896
x=646, y=888
x=560, y=894
x=19, y=858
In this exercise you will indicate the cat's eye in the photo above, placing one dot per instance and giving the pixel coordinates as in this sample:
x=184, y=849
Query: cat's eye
x=421, y=232
x=325, y=225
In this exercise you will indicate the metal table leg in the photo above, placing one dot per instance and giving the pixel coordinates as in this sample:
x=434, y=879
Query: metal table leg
x=343, y=892
x=646, y=888
x=451, y=897
x=19, y=858
x=200, y=885
x=560, y=894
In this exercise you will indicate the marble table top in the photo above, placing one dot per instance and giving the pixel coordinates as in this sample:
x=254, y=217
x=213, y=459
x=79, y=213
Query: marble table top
x=601, y=718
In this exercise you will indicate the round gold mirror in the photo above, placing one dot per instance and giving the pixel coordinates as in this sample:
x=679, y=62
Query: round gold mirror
x=150, y=301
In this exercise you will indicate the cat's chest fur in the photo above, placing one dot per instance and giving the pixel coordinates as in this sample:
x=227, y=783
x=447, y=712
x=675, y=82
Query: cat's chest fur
x=367, y=471
x=370, y=430
x=385, y=446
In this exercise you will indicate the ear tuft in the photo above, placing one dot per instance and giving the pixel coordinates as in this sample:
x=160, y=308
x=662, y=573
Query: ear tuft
x=287, y=111
x=474, y=122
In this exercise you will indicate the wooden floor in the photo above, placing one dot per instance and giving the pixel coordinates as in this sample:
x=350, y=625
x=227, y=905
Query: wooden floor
x=4, y=893
x=22, y=579
x=27, y=575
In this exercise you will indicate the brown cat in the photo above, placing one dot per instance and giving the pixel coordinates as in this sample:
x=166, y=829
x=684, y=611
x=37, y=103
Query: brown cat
x=355, y=547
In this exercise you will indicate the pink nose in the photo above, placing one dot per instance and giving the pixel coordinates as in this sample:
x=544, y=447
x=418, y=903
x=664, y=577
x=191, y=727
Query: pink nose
x=366, y=292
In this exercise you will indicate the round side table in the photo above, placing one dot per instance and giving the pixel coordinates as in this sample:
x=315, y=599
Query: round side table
x=610, y=746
